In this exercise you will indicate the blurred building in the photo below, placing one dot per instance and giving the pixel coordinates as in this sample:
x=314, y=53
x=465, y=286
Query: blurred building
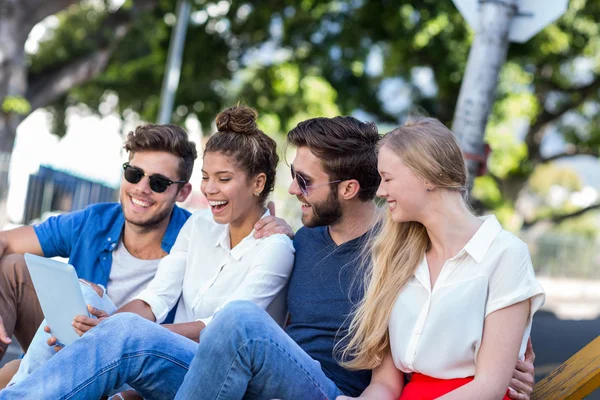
x=50, y=190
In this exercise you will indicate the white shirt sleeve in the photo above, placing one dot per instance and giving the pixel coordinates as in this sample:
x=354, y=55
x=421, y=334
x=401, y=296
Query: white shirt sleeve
x=513, y=281
x=165, y=288
x=268, y=275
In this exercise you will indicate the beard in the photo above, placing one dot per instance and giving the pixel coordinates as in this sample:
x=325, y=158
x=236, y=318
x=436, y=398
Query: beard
x=325, y=213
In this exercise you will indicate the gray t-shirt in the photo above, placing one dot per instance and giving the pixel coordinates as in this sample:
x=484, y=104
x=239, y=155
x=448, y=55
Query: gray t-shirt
x=128, y=275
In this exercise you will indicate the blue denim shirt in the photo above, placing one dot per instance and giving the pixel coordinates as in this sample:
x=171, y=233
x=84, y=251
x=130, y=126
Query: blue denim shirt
x=88, y=237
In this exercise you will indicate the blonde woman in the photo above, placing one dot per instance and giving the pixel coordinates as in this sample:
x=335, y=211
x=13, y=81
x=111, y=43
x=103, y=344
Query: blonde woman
x=451, y=296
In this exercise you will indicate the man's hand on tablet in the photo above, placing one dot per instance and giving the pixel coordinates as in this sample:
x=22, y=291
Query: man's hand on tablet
x=82, y=324
x=52, y=341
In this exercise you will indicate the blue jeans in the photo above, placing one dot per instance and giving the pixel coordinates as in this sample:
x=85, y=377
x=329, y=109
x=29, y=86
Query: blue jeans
x=243, y=353
x=124, y=348
x=39, y=352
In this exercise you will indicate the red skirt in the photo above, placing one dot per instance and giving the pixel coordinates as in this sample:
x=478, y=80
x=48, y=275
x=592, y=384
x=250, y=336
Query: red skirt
x=423, y=387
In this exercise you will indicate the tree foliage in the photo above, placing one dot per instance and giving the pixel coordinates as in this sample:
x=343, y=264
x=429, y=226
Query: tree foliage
x=297, y=59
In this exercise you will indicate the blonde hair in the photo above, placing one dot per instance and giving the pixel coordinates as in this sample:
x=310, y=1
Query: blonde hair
x=431, y=151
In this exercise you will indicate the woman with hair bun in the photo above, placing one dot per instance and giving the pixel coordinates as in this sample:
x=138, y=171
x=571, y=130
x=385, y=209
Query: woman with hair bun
x=214, y=261
x=450, y=296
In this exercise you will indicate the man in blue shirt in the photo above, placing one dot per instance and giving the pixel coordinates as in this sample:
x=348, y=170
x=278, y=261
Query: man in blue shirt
x=144, y=224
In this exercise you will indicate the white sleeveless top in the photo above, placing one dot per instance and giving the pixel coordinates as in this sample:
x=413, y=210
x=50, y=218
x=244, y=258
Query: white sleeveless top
x=438, y=333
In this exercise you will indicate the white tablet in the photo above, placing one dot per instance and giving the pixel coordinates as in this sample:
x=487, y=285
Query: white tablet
x=60, y=296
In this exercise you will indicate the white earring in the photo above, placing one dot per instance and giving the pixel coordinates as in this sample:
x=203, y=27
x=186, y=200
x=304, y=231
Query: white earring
x=257, y=194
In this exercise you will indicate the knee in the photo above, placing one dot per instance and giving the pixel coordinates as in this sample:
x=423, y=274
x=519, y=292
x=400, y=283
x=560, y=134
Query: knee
x=243, y=317
x=92, y=287
x=122, y=324
x=119, y=329
x=125, y=320
x=13, y=269
x=239, y=310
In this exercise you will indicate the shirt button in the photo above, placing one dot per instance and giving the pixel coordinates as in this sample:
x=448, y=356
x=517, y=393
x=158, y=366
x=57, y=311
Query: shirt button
x=108, y=239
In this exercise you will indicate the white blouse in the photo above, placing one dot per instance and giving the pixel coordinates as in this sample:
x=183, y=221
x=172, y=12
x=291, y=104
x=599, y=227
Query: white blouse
x=438, y=333
x=207, y=274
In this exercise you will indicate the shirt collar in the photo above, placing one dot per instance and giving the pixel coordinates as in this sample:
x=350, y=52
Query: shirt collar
x=178, y=218
x=476, y=247
x=483, y=238
x=246, y=244
x=114, y=235
x=422, y=273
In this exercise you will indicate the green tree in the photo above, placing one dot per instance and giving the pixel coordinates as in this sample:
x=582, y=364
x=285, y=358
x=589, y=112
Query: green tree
x=296, y=59
x=26, y=86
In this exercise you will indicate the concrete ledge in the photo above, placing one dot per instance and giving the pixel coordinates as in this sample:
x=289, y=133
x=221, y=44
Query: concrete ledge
x=572, y=298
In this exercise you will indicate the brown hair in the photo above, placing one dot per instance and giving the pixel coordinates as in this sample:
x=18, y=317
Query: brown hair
x=431, y=151
x=168, y=138
x=346, y=147
x=238, y=137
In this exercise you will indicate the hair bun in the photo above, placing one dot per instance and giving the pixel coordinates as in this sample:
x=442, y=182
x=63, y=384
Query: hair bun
x=237, y=119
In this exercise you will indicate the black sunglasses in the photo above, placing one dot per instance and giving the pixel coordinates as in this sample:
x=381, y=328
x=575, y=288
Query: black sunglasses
x=158, y=183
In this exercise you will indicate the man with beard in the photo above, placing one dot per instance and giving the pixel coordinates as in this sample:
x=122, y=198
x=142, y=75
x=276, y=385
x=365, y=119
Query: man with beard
x=243, y=353
x=116, y=245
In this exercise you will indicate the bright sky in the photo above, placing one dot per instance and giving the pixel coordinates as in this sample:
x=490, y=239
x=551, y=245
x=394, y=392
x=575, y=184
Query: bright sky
x=91, y=149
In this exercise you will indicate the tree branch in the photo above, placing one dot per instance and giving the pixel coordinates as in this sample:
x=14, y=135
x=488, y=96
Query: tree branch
x=571, y=152
x=45, y=88
x=536, y=132
x=33, y=11
x=49, y=88
x=556, y=219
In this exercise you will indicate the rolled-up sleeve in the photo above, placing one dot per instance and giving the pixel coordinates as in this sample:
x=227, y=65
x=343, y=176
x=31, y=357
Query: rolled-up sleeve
x=56, y=234
x=514, y=281
x=268, y=275
x=164, y=290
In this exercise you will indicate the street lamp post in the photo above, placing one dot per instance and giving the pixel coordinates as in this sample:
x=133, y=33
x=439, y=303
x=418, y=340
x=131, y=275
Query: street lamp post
x=173, y=67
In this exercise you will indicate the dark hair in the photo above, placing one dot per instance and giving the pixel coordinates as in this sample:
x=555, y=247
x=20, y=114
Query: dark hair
x=168, y=138
x=346, y=147
x=238, y=137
